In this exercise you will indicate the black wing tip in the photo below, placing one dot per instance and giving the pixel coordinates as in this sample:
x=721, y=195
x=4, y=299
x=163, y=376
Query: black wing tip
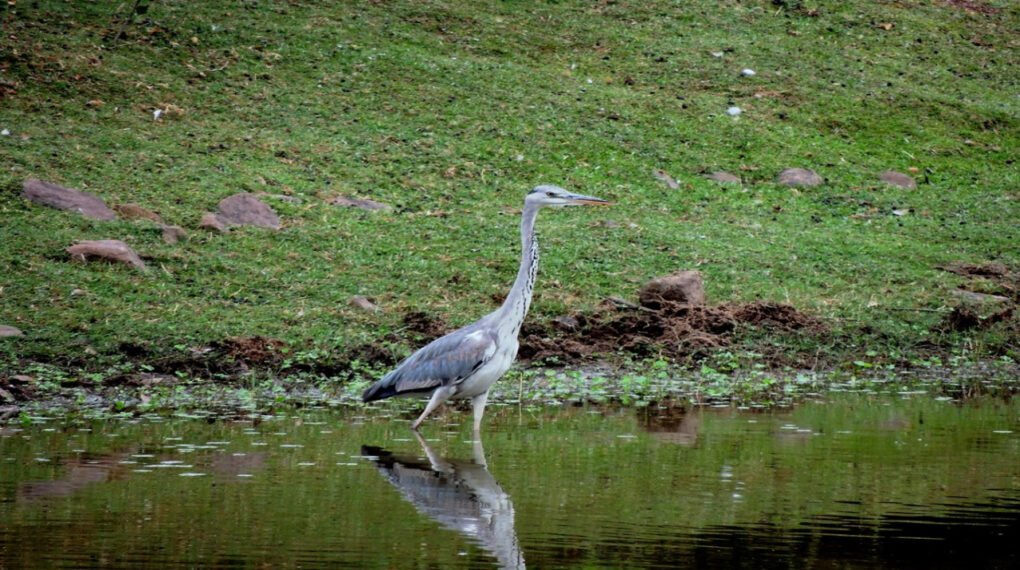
x=377, y=391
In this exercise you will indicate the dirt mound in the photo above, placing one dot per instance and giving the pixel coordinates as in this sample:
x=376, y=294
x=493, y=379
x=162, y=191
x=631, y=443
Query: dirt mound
x=963, y=318
x=989, y=278
x=674, y=329
x=976, y=270
x=425, y=325
x=253, y=349
x=990, y=286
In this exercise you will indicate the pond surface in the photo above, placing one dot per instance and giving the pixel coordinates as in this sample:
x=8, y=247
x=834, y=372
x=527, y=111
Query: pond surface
x=854, y=482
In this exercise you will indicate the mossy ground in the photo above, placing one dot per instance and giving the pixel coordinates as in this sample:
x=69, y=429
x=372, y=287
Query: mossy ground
x=450, y=112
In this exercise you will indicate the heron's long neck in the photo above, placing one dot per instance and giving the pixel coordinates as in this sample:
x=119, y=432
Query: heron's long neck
x=517, y=302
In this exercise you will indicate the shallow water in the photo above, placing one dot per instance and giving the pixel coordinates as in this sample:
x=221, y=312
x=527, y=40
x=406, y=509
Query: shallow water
x=854, y=482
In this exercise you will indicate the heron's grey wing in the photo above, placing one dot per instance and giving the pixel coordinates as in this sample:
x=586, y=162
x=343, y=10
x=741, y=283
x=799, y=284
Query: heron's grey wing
x=443, y=362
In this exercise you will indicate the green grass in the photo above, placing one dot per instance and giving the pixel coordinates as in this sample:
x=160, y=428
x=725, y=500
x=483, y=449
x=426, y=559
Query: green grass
x=451, y=112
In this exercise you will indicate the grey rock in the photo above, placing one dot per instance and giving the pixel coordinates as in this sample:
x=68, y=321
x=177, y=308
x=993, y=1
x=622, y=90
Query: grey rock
x=283, y=198
x=106, y=249
x=663, y=176
x=361, y=203
x=69, y=199
x=6, y=330
x=246, y=209
x=363, y=303
x=724, y=177
x=173, y=234
x=682, y=287
x=211, y=221
x=566, y=323
x=799, y=177
x=897, y=179
x=979, y=298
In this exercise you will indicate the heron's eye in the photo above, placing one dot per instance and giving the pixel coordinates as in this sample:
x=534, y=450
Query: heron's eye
x=548, y=193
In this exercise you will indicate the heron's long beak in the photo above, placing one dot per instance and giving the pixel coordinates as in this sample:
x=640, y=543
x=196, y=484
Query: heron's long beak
x=582, y=200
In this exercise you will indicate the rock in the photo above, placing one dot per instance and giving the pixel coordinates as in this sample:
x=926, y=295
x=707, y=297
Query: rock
x=724, y=177
x=747, y=72
x=799, y=177
x=108, y=249
x=734, y=111
x=136, y=212
x=978, y=298
x=247, y=210
x=362, y=203
x=664, y=177
x=683, y=287
x=6, y=330
x=56, y=196
x=363, y=302
x=211, y=221
x=897, y=179
x=173, y=234
x=282, y=198
x=566, y=323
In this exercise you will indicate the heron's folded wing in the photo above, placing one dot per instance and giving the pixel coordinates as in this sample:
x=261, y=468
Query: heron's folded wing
x=444, y=361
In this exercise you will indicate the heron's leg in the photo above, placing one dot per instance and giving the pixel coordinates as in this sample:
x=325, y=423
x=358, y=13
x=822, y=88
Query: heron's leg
x=478, y=451
x=438, y=397
x=478, y=404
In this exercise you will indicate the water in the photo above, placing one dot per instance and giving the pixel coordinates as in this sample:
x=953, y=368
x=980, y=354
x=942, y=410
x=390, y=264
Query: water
x=854, y=482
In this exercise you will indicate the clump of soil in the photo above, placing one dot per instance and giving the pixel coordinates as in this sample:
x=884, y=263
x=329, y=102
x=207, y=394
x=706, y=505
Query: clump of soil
x=257, y=350
x=990, y=278
x=676, y=330
x=977, y=270
x=963, y=318
x=985, y=281
x=425, y=325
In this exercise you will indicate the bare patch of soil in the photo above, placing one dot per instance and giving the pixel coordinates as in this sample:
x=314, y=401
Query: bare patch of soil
x=258, y=350
x=988, y=280
x=974, y=6
x=674, y=330
x=976, y=270
x=425, y=325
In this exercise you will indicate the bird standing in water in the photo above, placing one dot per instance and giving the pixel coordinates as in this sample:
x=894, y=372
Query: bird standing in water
x=468, y=361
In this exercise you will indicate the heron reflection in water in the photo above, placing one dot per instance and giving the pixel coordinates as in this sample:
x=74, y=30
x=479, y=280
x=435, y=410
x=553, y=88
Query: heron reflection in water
x=459, y=494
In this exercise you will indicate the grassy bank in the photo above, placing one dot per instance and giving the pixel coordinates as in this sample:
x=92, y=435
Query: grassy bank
x=450, y=112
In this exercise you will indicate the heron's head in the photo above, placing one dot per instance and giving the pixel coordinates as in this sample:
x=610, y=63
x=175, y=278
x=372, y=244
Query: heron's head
x=549, y=195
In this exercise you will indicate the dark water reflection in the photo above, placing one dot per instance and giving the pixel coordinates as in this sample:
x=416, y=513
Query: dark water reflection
x=459, y=494
x=857, y=482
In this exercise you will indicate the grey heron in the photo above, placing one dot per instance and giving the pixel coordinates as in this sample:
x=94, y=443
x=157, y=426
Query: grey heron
x=467, y=362
x=461, y=495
